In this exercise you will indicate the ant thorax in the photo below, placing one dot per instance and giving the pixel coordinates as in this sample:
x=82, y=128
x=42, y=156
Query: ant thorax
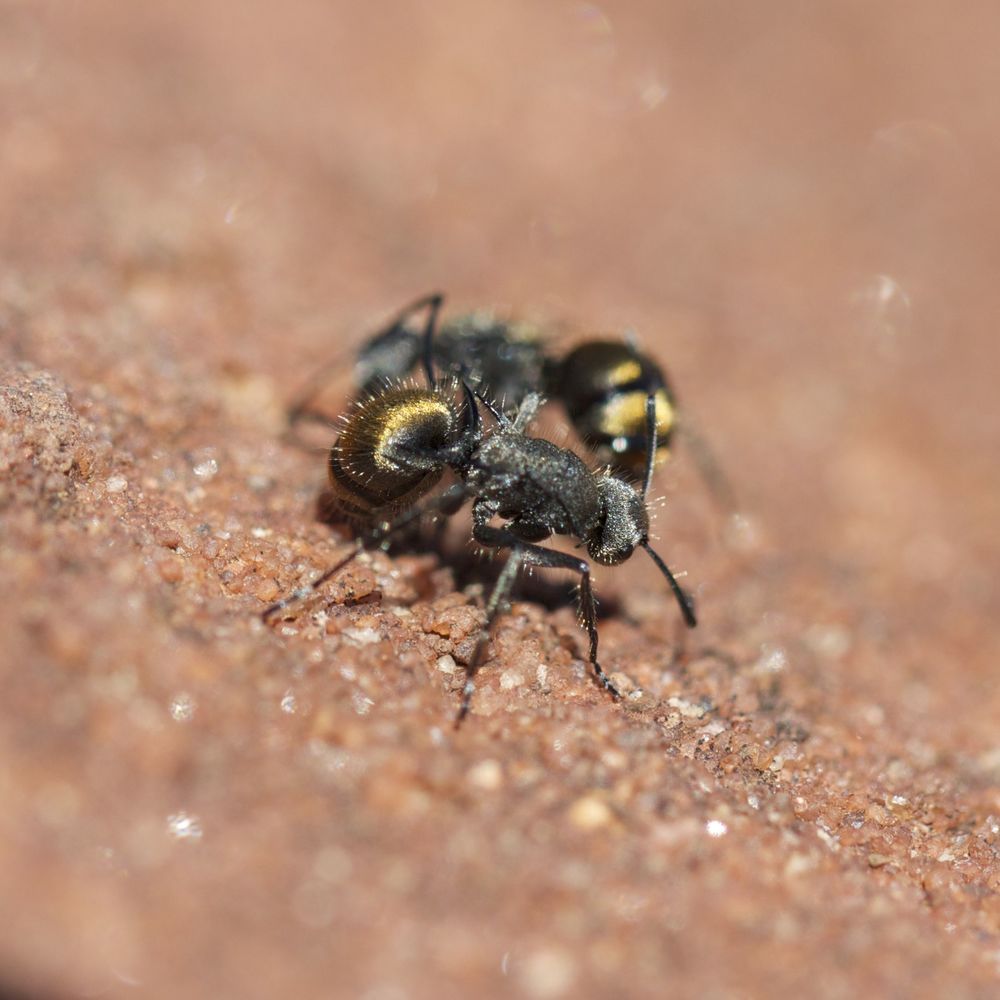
x=540, y=488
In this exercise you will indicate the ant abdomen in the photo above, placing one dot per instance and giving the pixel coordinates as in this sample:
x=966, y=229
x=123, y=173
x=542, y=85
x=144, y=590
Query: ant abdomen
x=390, y=447
x=604, y=385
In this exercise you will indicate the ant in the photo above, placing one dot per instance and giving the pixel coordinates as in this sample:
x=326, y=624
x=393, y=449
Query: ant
x=602, y=384
x=397, y=442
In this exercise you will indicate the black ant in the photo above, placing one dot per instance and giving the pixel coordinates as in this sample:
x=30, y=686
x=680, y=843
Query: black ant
x=601, y=384
x=396, y=444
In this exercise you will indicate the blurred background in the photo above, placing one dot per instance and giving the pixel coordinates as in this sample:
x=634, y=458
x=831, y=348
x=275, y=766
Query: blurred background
x=794, y=207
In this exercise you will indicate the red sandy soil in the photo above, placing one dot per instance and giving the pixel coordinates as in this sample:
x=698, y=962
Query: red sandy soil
x=795, y=207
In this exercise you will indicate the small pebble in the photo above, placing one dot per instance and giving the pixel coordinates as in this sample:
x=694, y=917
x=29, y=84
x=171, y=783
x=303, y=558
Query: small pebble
x=116, y=484
x=446, y=664
x=690, y=710
x=184, y=826
x=510, y=679
x=549, y=972
x=170, y=568
x=623, y=682
x=798, y=864
x=590, y=812
x=167, y=537
x=456, y=623
x=716, y=828
x=639, y=701
x=361, y=703
x=363, y=636
x=207, y=469
x=487, y=775
x=182, y=708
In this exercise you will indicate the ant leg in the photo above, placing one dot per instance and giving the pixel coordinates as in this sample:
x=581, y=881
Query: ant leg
x=528, y=554
x=433, y=303
x=526, y=412
x=446, y=503
x=301, y=593
x=497, y=602
x=497, y=412
x=302, y=406
x=708, y=465
x=537, y=555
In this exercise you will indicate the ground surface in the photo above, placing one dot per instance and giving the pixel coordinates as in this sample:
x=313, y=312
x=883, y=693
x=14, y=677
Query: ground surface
x=795, y=207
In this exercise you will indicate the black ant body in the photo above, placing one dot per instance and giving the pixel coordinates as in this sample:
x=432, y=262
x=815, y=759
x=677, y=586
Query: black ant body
x=397, y=443
x=601, y=384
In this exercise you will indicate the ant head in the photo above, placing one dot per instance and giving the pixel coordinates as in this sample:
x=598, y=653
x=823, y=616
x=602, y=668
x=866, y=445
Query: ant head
x=624, y=522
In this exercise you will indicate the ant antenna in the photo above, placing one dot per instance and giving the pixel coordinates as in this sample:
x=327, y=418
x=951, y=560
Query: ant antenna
x=647, y=479
x=683, y=597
